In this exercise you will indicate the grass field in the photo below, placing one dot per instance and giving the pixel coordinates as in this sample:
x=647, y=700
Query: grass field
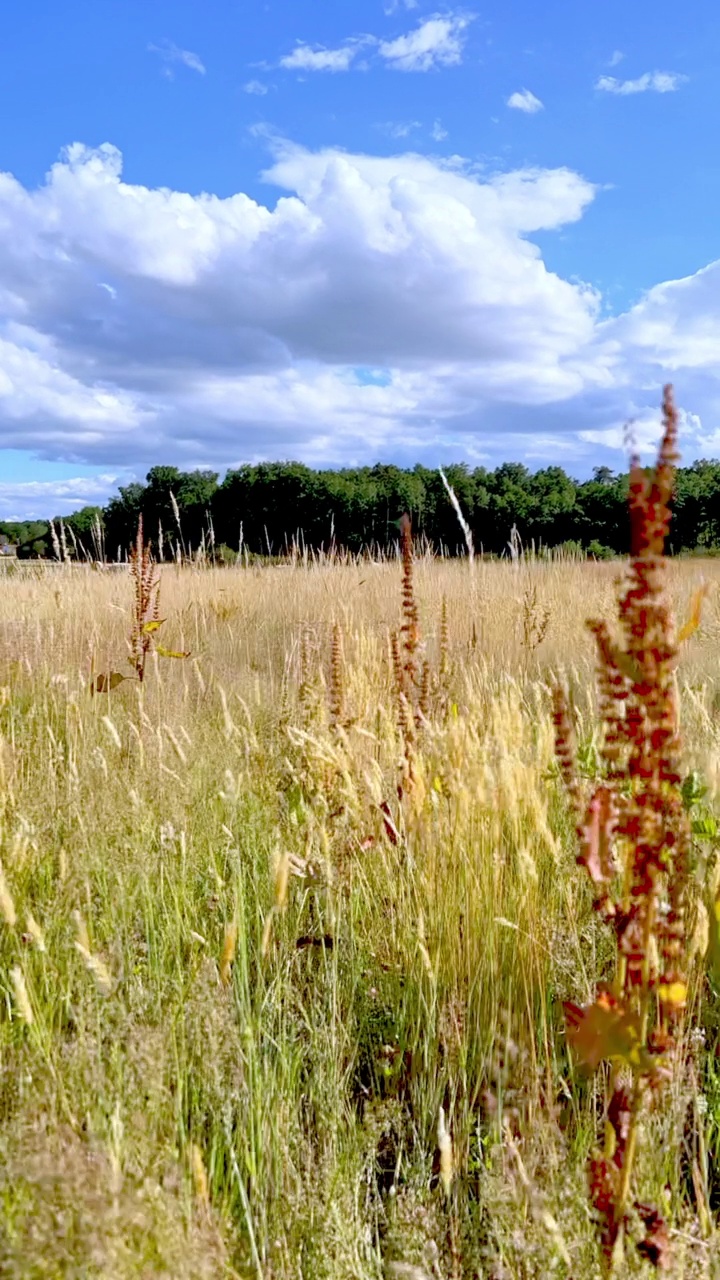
x=261, y=1017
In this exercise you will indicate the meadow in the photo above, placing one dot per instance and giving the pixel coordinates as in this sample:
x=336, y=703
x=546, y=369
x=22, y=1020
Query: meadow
x=282, y=995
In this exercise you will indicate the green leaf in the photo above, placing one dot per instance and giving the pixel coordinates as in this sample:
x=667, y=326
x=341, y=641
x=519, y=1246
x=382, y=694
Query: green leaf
x=693, y=789
x=705, y=827
x=712, y=957
x=107, y=681
x=170, y=653
x=153, y=625
x=627, y=664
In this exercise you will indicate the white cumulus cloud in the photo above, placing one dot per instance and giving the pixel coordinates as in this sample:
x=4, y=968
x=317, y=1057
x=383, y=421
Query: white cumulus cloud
x=306, y=58
x=140, y=323
x=639, y=431
x=650, y=82
x=388, y=262
x=438, y=42
x=34, y=388
x=524, y=100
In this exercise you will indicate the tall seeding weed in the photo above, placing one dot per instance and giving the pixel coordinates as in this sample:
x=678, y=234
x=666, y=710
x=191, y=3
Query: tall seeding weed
x=634, y=837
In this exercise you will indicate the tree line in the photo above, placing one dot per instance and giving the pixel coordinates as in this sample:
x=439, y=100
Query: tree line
x=267, y=508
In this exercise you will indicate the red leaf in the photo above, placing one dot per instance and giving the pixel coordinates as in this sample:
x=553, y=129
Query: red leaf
x=655, y=1244
x=619, y=1114
x=390, y=829
x=597, y=838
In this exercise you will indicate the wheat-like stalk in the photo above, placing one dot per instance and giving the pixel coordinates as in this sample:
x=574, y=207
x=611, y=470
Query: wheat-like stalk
x=337, y=677
x=410, y=628
x=444, y=654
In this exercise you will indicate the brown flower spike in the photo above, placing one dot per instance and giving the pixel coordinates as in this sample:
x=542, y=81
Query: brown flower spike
x=634, y=841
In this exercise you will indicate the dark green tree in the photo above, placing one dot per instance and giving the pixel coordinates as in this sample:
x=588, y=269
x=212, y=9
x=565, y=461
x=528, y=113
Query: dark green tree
x=271, y=506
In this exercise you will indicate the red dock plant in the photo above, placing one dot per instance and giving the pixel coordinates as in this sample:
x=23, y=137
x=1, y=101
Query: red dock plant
x=145, y=618
x=634, y=842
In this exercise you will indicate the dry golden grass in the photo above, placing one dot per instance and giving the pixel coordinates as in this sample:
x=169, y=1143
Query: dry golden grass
x=242, y=980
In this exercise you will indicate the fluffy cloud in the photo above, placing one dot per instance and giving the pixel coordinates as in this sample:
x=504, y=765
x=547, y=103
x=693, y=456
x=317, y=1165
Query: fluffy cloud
x=676, y=326
x=525, y=101
x=639, y=432
x=38, y=396
x=672, y=333
x=437, y=42
x=650, y=82
x=382, y=306
x=306, y=58
x=357, y=239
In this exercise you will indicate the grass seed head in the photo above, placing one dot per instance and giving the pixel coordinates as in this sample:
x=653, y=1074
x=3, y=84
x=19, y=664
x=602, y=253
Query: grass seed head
x=35, y=933
x=22, y=999
x=445, y=1149
x=199, y=1175
x=337, y=677
x=228, y=952
x=97, y=968
x=7, y=905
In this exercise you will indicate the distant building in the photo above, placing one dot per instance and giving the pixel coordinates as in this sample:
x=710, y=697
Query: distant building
x=8, y=550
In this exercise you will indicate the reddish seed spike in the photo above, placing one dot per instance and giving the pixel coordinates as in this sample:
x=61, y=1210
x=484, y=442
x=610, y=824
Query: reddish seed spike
x=641, y=751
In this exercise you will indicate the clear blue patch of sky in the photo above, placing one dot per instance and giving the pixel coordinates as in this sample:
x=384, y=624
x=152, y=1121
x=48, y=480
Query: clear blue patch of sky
x=367, y=377
x=21, y=465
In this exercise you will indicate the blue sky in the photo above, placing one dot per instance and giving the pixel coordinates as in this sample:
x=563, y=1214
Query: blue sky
x=351, y=231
